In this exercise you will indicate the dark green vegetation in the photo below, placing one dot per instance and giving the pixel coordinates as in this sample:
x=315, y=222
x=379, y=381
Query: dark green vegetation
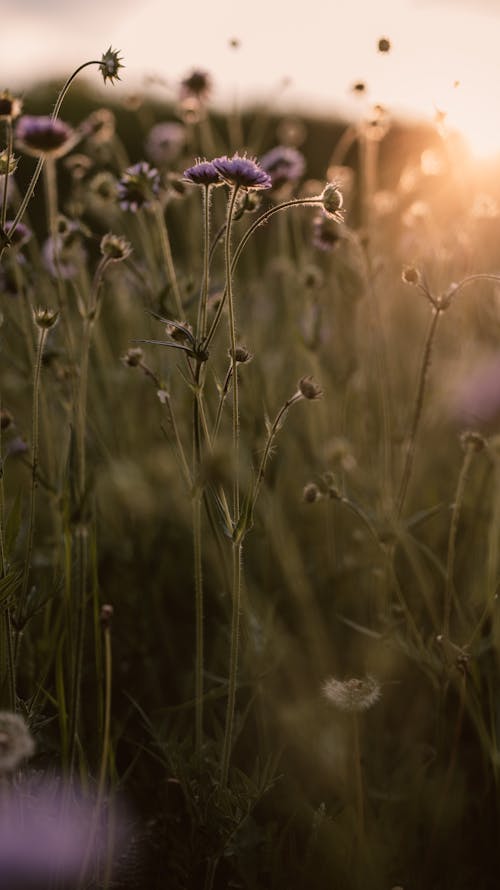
x=372, y=549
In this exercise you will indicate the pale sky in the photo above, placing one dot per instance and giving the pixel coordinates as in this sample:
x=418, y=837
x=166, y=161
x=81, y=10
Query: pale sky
x=322, y=48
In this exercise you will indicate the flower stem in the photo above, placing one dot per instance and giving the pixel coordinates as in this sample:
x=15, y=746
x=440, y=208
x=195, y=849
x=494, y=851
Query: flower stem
x=233, y=663
x=450, y=562
x=167, y=255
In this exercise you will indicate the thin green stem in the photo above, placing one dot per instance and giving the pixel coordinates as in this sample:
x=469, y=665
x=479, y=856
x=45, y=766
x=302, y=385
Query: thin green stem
x=167, y=256
x=233, y=664
x=455, y=518
x=232, y=340
x=417, y=413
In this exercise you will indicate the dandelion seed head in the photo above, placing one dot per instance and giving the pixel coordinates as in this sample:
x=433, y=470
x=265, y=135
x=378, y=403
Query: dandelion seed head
x=16, y=741
x=352, y=695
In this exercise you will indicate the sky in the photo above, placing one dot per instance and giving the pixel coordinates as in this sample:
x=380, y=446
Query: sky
x=444, y=53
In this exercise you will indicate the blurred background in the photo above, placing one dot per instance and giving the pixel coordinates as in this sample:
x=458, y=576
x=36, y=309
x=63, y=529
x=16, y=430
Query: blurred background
x=443, y=55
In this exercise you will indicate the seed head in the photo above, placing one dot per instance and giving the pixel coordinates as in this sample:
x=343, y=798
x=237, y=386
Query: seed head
x=16, y=741
x=115, y=247
x=110, y=65
x=411, y=275
x=10, y=106
x=133, y=357
x=311, y=493
x=309, y=389
x=8, y=164
x=472, y=439
x=242, y=355
x=138, y=187
x=332, y=201
x=45, y=318
x=352, y=695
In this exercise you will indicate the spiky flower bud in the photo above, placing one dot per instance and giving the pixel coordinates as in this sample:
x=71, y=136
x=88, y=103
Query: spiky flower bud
x=16, y=741
x=110, y=65
x=115, y=247
x=309, y=389
x=352, y=695
x=45, y=318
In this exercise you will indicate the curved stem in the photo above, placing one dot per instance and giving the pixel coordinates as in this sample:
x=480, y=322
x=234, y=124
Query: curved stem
x=417, y=414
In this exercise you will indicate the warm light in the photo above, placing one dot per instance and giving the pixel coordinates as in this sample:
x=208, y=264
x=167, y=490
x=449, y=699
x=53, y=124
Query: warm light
x=476, y=118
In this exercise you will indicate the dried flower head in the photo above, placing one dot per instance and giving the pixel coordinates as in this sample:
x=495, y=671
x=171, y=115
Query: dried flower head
x=242, y=172
x=45, y=318
x=16, y=741
x=197, y=85
x=133, y=357
x=411, y=275
x=384, y=45
x=311, y=493
x=38, y=135
x=352, y=695
x=309, y=389
x=165, y=141
x=332, y=201
x=203, y=173
x=284, y=164
x=10, y=106
x=8, y=163
x=115, y=247
x=138, y=187
x=110, y=65
x=242, y=355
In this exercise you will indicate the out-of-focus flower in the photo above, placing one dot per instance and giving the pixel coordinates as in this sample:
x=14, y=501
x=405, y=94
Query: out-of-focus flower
x=352, y=695
x=309, y=389
x=327, y=234
x=243, y=172
x=115, y=248
x=16, y=741
x=8, y=164
x=197, y=85
x=165, y=141
x=477, y=398
x=384, y=45
x=39, y=135
x=20, y=236
x=203, y=173
x=284, y=164
x=10, y=106
x=138, y=187
x=45, y=318
x=47, y=834
x=110, y=65
x=332, y=201
x=99, y=126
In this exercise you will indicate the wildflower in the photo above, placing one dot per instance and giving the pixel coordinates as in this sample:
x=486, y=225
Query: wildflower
x=45, y=318
x=326, y=232
x=115, y=247
x=352, y=695
x=38, y=135
x=138, y=187
x=309, y=389
x=384, y=45
x=242, y=172
x=20, y=236
x=63, y=253
x=311, y=493
x=99, y=126
x=133, y=357
x=198, y=85
x=165, y=142
x=10, y=106
x=411, y=275
x=477, y=399
x=110, y=65
x=203, y=173
x=16, y=741
x=78, y=166
x=104, y=187
x=284, y=165
x=242, y=355
x=332, y=201
x=8, y=164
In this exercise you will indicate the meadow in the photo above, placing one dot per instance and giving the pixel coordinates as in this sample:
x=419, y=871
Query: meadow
x=249, y=499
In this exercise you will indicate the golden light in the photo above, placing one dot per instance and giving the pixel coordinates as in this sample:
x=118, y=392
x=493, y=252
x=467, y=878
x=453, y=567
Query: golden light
x=476, y=117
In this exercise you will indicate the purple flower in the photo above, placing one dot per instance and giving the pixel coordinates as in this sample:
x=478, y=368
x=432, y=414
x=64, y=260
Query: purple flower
x=327, y=234
x=45, y=831
x=284, y=165
x=138, y=187
x=38, y=135
x=165, y=141
x=242, y=172
x=203, y=173
x=20, y=236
